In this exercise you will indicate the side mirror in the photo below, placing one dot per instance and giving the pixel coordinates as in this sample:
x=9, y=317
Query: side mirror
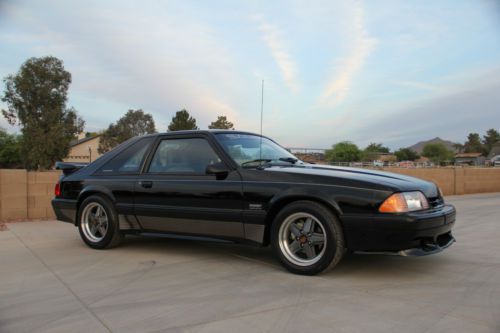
x=218, y=169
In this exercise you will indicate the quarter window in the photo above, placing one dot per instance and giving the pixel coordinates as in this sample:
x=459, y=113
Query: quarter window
x=129, y=160
x=183, y=156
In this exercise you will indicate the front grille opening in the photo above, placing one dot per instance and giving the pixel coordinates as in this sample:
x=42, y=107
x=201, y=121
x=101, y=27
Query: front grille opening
x=433, y=243
x=444, y=239
x=435, y=202
x=428, y=244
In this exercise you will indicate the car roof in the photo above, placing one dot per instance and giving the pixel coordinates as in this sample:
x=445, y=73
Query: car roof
x=208, y=131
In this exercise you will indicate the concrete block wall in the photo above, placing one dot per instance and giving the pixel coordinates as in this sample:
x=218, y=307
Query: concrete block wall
x=443, y=177
x=26, y=195
x=481, y=180
x=13, y=194
x=458, y=181
x=40, y=193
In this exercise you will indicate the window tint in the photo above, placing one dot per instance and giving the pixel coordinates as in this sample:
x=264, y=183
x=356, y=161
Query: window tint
x=183, y=156
x=246, y=147
x=129, y=160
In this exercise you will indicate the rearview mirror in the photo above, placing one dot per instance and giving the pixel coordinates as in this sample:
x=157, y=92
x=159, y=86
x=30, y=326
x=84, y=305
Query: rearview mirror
x=218, y=169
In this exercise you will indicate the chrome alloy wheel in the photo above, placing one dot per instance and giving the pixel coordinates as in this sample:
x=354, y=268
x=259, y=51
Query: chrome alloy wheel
x=302, y=239
x=94, y=222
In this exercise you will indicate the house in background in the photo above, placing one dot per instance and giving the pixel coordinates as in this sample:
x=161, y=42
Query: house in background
x=84, y=149
x=317, y=158
x=495, y=150
x=386, y=158
x=474, y=159
x=310, y=155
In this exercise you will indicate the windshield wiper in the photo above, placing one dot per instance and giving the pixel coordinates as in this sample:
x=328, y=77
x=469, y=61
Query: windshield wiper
x=289, y=159
x=259, y=160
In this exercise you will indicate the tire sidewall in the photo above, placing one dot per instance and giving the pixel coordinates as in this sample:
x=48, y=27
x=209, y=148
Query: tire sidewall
x=332, y=230
x=112, y=221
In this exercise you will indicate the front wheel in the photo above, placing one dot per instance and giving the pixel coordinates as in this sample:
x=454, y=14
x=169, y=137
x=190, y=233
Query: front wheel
x=307, y=238
x=98, y=223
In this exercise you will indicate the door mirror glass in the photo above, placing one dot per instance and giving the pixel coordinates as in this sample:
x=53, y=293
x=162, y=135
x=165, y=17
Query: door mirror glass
x=218, y=169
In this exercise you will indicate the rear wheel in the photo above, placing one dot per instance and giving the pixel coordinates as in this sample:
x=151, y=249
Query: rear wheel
x=98, y=223
x=307, y=238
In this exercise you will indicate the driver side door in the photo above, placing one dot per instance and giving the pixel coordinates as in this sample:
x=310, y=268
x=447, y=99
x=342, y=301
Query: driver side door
x=175, y=194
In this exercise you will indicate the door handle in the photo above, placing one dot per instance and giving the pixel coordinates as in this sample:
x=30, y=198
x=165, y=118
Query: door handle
x=146, y=183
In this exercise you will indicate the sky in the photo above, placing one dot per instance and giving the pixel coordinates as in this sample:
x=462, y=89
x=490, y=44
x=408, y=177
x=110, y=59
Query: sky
x=395, y=72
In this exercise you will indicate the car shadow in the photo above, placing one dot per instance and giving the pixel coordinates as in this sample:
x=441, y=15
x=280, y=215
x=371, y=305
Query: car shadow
x=360, y=265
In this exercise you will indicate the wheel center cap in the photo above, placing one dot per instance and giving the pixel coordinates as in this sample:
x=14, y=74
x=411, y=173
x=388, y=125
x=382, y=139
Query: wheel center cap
x=303, y=239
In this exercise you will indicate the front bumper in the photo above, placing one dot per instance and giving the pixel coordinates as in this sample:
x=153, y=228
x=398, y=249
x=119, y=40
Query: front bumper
x=65, y=209
x=415, y=233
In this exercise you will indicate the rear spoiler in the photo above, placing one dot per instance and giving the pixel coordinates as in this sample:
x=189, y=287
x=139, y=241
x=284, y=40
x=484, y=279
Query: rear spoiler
x=68, y=168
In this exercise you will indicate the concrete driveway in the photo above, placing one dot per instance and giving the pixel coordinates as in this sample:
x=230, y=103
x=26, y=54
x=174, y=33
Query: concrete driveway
x=51, y=282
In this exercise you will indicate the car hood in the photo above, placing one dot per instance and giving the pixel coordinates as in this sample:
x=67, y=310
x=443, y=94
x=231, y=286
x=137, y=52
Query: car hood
x=356, y=177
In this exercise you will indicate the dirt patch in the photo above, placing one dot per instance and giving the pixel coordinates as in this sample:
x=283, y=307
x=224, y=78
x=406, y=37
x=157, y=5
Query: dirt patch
x=25, y=220
x=3, y=224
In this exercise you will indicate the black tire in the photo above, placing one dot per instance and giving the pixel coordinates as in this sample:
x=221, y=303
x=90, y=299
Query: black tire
x=113, y=236
x=330, y=228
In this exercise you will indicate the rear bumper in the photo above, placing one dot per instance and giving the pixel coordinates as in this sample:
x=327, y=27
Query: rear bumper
x=417, y=233
x=65, y=210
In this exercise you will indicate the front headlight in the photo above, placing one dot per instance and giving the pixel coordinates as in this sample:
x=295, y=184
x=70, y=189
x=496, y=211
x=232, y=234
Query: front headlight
x=404, y=202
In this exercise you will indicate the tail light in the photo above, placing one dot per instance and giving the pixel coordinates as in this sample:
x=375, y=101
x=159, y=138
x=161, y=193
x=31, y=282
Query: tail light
x=57, y=190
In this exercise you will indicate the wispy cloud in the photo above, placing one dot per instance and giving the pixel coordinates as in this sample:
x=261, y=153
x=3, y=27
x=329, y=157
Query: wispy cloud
x=115, y=63
x=274, y=41
x=165, y=55
x=417, y=85
x=341, y=81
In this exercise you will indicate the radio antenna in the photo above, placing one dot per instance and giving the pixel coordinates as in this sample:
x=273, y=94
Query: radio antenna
x=261, y=118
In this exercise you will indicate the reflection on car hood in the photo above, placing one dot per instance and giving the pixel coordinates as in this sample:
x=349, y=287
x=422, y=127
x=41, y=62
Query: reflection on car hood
x=361, y=177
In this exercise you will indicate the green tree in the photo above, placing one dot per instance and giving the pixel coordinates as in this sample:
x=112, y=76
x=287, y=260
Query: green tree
x=344, y=151
x=459, y=148
x=182, y=121
x=133, y=123
x=437, y=153
x=406, y=154
x=221, y=123
x=377, y=148
x=492, y=136
x=473, y=144
x=36, y=99
x=373, y=150
x=10, y=150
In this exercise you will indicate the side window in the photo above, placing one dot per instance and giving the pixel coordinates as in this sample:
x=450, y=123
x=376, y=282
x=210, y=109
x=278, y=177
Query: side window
x=183, y=156
x=129, y=160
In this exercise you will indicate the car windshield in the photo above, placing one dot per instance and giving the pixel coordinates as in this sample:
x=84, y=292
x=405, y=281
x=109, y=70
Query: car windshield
x=250, y=150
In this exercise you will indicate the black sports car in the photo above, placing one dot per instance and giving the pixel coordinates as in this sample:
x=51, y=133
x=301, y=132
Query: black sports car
x=245, y=187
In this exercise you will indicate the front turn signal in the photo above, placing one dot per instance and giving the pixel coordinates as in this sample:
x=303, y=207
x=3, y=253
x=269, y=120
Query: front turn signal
x=396, y=203
x=404, y=202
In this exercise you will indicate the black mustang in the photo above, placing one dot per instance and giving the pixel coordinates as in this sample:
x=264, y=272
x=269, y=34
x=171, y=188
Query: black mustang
x=243, y=187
